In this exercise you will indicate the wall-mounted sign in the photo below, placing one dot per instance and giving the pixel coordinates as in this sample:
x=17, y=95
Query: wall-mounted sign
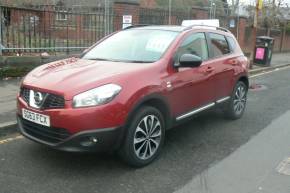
x=232, y=23
x=127, y=18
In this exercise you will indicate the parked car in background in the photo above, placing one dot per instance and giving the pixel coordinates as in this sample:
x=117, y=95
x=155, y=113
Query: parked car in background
x=129, y=88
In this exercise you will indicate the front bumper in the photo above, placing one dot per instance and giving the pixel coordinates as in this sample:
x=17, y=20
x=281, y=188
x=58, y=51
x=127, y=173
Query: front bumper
x=86, y=141
x=81, y=119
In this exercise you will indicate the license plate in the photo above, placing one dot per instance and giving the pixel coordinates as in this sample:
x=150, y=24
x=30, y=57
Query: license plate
x=36, y=117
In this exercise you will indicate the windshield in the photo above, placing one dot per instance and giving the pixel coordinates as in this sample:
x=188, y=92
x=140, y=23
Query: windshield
x=133, y=46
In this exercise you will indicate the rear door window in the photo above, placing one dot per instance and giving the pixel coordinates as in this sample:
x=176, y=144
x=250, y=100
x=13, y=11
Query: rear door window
x=219, y=45
x=232, y=43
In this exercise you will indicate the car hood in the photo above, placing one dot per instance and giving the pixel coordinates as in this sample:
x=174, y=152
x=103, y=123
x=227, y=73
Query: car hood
x=72, y=76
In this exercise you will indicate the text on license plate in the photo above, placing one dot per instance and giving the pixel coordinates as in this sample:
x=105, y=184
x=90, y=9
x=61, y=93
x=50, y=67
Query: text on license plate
x=36, y=117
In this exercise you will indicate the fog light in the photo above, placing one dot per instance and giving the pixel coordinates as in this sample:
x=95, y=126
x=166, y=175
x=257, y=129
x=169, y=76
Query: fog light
x=89, y=141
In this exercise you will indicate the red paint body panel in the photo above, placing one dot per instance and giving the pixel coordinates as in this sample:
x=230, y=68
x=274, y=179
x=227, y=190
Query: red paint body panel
x=191, y=87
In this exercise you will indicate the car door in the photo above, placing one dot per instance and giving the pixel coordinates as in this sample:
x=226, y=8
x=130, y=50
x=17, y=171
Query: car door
x=191, y=88
x=223, y=62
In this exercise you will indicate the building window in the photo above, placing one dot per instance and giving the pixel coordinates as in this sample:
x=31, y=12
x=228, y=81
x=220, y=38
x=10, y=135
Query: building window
x=61, y=16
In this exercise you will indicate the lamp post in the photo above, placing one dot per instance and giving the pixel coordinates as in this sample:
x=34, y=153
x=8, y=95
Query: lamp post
x=259, y=4
x=169, y=11
x=212, y=11
x=238, y=19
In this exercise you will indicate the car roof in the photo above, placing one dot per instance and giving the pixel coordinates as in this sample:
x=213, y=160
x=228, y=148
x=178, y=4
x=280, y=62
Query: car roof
x=177, y=28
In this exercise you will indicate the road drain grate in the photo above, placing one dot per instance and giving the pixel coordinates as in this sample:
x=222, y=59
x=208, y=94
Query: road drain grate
x=257, y=87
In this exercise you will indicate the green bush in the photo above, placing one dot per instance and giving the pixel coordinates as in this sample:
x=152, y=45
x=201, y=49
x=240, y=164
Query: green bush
x=17, y=66
x=14, y=71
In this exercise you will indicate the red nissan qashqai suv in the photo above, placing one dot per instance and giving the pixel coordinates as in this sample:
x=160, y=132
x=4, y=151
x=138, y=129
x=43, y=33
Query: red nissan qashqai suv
x=127, y=89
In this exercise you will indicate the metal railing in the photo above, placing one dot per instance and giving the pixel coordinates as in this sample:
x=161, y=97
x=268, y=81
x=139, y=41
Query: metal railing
x=57, y=30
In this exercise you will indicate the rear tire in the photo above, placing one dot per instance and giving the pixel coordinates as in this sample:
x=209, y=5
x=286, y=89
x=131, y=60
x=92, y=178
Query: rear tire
x=235, y=107
x=144, y=138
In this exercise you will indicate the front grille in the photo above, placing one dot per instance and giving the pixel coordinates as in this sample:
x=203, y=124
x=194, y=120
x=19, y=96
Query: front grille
x=52, y=101
x=46, y=134
x=24, y=93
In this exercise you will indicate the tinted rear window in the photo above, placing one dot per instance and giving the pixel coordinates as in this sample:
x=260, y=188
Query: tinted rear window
x=232, y=43
x=219, y=45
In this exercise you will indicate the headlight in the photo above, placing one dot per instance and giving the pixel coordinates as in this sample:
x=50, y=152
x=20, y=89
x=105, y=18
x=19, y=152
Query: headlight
x=97, y=96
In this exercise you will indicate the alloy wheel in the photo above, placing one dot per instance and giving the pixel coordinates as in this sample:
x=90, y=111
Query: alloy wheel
x=147, y=137
x=240, y=99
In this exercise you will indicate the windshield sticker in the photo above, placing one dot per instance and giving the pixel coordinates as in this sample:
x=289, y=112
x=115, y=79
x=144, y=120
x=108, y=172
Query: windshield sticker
x=159, y=43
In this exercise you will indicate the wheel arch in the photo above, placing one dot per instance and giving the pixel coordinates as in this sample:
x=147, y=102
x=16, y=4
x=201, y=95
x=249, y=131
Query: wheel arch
x=155, y=100
x=245, y=80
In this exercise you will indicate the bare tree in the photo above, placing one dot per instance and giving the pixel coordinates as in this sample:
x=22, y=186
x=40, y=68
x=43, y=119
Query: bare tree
x=234, y=6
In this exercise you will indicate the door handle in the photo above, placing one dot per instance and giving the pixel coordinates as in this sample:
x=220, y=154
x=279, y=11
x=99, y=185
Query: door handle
x=209, y=69
x=234, y=62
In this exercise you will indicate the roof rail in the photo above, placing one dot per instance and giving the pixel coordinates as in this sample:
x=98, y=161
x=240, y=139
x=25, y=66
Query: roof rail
x=218, y=28
x=134, y=26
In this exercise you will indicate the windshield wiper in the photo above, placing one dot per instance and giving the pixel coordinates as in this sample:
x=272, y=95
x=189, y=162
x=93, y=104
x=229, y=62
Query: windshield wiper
x=138, y=61
x=129, y=61
x=100, y=59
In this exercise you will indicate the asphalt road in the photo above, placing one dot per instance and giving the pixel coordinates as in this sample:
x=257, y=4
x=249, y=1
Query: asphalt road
x=190, y=149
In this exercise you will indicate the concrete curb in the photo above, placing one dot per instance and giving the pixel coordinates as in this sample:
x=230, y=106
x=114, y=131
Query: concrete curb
x=265, y=69
x=8, y=128
x=7, y=124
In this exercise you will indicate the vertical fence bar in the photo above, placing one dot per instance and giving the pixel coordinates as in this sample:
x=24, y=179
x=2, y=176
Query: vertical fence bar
x=79, y=24
x=67, y=35
x=34, y=30
x=6, y=26
x=95, y=26
x=76, y=37
x=98, y=22
x=104, y=23
x=53, y=30
x=29, y=30
x=80, y=29
x=82, y=26
x=24, y=30
x=13, y=36
x=49, y=29
x=40, y=25
x=44, y=28
x=18, y=30
x=1, y=19
x=90, y=39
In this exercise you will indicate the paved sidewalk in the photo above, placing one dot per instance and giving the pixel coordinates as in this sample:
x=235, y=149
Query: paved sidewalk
x=266, y=170
x=281, y=58
x=9, y=89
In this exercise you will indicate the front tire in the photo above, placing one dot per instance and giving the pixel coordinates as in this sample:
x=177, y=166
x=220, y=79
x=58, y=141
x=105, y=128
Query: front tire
x=235, y=108
x=144, y=138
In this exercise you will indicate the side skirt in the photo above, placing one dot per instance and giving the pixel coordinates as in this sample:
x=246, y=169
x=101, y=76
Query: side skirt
x=203, y=108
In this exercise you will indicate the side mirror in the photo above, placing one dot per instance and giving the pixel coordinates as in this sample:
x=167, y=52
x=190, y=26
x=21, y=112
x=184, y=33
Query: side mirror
x=189, y=60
